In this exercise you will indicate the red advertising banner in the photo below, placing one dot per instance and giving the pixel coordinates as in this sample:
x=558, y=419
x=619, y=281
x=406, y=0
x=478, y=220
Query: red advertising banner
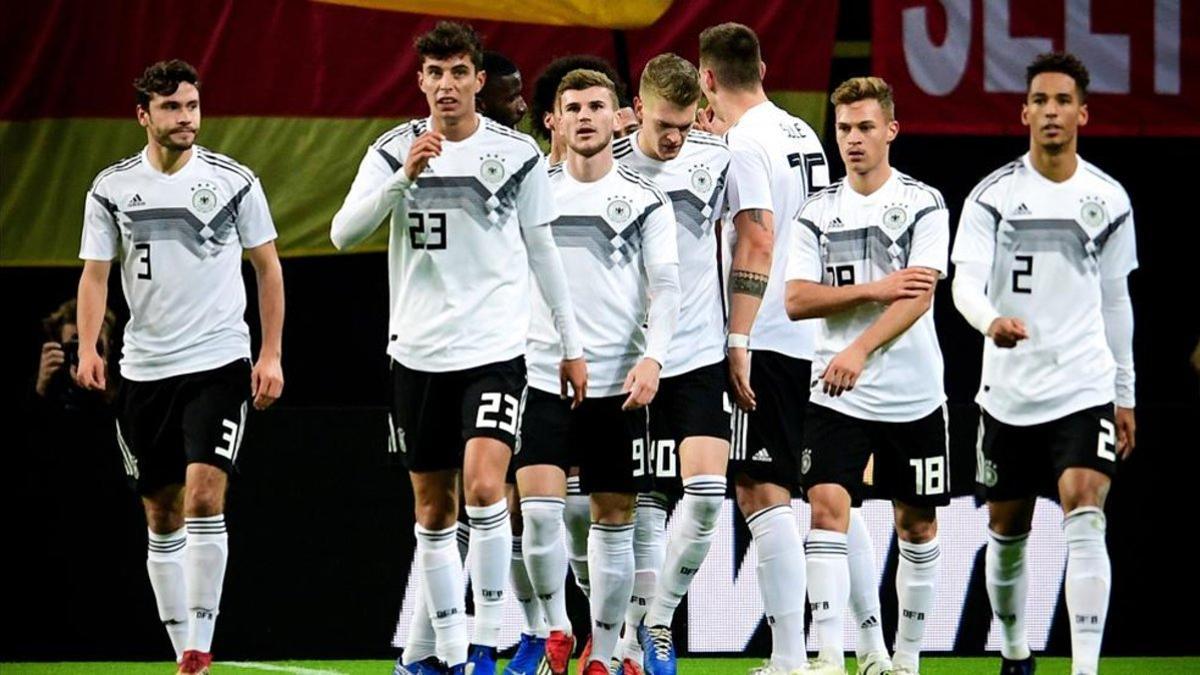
x=958, y=66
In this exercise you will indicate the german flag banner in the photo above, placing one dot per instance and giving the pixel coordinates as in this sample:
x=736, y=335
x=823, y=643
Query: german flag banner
x=296, y=90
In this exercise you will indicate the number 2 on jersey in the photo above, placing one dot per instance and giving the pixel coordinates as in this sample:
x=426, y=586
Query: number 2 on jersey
x=1018, y=273
x=427, y=230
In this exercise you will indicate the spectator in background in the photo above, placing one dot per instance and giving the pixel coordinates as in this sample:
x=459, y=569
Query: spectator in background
x=60, y=355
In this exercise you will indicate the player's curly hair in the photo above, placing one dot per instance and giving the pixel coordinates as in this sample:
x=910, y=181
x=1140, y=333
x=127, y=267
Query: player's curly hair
x=545, y=88
x=865, y=88
x=163, y=78
x=1060, y=62
x=450, y=38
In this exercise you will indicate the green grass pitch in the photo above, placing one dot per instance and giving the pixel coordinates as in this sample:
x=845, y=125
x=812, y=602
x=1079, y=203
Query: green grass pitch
x=929, y=666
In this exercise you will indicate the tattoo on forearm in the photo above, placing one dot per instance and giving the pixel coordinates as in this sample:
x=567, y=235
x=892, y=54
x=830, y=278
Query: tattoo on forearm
x=748, y=283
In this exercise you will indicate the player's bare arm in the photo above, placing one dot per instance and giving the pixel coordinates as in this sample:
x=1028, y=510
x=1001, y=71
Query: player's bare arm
x=266, y=378
x=808, y=299
x=93, y=296
x=845, y=368
x=752, y=258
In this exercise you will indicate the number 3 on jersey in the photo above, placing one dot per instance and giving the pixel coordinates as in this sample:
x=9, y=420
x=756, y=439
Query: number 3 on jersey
x=427, y=230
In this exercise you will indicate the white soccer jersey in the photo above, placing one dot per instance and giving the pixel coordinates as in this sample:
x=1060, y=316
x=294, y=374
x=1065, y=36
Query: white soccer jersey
x=777, y=162
x=842, y=237
x=694, y=181
x=608, y=232
x=1048, y=246
x=179, y=238
x=457, y=266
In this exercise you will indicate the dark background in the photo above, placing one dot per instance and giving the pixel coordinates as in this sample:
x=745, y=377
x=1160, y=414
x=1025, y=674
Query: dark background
x=320, y=527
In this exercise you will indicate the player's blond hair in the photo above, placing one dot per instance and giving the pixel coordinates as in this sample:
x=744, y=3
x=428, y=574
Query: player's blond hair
x=858, y=89
x=582, y=78
x=671, y=78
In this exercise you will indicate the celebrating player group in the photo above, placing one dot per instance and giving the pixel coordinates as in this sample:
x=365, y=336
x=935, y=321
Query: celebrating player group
x=673, y=304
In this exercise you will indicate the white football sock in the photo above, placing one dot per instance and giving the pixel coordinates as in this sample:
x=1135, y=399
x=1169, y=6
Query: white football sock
x=463, y=538
x=781, y=582
x=1007, y=587
x=610, y=559
x=531, y=609
x=546, y=557
x=491, y=551
x=828, y=589
x=443, y=589
x=916, y=584
x=697, y=514
x=165, y=554
x=649, y=550
x=578, y=520
x=864, y=587
x=205, y=556
x=1089, y=578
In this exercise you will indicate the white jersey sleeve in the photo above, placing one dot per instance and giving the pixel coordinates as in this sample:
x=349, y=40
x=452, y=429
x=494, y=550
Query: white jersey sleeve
x=1118, y=257
x=659, y=243
x=749, y=183
x=976, y=238
x=804, y=258
x=931, y=238
x=254, y=223
x=535, y=198
x=101, y=237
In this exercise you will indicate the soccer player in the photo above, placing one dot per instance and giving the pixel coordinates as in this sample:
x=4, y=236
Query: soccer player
x=617, y=235
x=470, y=208
x=178, y=217
x=1044, y=248
x=776, y=162
x=689, y=419
x=501, y=98
x=866, y=256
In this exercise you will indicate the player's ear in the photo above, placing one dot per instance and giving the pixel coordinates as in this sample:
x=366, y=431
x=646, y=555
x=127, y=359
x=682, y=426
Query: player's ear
x=1025, y=114
x=893, y=130
x=1083, y=114
x=143, y=115
x=637, y=108
x=762, y=71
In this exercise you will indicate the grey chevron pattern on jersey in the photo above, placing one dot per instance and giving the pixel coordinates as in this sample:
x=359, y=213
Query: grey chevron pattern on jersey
x=470, y=195
x=180, y=224
x=593, y=233
x=692, y=212
x=1062, y=235
x=868, y=244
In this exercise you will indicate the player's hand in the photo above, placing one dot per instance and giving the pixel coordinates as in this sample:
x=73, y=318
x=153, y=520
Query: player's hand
x=842, y=373
x=427, y=146
x=1007, y=331
x=739, y=378
x=266, y=381
x=642, y=384
x=910, y=282
x=1126, y=431
x=573, y=372
x=52, y=359
x=707, y=120
x=90, y=373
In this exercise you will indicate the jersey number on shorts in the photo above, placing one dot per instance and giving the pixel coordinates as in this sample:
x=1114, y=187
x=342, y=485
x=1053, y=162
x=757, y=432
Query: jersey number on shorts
x=427, y=230
x=1019, y=273
x=145, y=260
x=930, y=475
x=490, y=415
x=1107, y=442
x=663, y=460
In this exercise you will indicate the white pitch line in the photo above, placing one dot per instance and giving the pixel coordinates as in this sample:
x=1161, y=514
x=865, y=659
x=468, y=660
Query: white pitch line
x=280, y=669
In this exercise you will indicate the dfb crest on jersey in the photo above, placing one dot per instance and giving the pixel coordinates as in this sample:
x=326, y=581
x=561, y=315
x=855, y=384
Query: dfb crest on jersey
x=492, y=170
x=895, y=217
x=806, y=460
x=701, y=180
x=1092, y=212
x=204, y=197
x=619, y=211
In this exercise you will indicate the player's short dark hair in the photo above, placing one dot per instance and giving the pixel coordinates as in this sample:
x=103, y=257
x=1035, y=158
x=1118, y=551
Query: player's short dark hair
x=732, y=51
x=450, y=38
x=581, y=78
x=671, y=78
x=545, y=88
x=1060, y=62
x=858, y=89
x=163, y=78
x=498, y=65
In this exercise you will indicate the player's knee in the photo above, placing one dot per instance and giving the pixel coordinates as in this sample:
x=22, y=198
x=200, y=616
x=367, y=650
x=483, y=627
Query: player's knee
x=916, y=526
x=436, y=514
x=484, y=490
x=163, y=519
x=1086, y=490
x=610, y=508
x=830, y=505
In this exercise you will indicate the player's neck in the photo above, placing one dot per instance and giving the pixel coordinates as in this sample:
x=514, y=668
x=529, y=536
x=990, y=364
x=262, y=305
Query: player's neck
x=1055, y=165
x=457, y=128
x=643, y=144
x=558, y=150
x=736, y=103
x=590, y=169
x=867, y=183
x=166, y=160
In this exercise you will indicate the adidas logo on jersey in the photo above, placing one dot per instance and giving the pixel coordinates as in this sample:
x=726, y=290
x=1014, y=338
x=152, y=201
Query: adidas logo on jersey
x=1022, y=210
x=136, y=200
x=836, y=224
x=761, y=456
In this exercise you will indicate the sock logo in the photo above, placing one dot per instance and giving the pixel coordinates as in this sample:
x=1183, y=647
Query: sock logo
x=492, y=594
x=823, y=605
x=918, y=616
x=605, y=626
x=204, y=614
x=871, y=622
x=688, y=571
x=443, y=613
x=1006, y=619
